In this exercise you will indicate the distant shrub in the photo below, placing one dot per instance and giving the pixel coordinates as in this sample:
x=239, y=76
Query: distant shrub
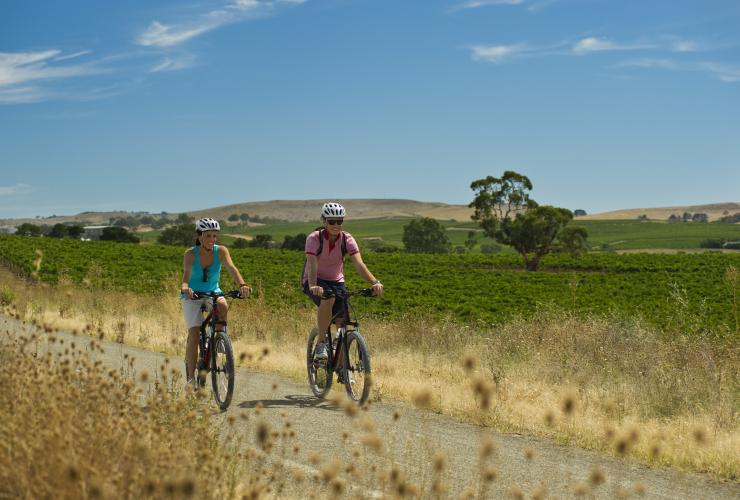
x=712, y=243
x=490, y=248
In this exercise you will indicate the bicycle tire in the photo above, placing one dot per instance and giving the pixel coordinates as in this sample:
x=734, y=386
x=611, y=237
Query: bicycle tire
x=358, y=370
x=222, y=370
x=319, y=377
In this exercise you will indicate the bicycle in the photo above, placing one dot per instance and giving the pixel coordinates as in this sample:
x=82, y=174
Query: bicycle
x=353, y=368
x=215, y=354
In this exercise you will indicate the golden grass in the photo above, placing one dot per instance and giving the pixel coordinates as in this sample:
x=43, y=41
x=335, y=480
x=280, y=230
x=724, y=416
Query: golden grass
x=599, y=383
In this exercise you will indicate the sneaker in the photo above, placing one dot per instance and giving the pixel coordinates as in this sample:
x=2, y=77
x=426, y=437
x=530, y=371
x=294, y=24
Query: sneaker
x=320, y=353
x=192, y=383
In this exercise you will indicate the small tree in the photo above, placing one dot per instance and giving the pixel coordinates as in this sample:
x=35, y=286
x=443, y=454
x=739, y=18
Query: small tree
x=425, y=235
x=297, y=242
x=471, y=241
x=75, y=231
x=180, y=235
x=507, y=214
x=184, y=218
x=261, y=241
x=573, y=240
x=59, y=230
x=233, y=218
x=27, y=229
x=118, y=234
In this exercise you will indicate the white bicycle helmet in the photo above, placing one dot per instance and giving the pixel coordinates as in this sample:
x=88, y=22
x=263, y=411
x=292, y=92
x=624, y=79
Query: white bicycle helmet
x=331, y=210
x=207, y=224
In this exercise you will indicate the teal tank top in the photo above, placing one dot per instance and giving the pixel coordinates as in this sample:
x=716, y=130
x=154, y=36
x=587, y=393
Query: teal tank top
x=211, y=273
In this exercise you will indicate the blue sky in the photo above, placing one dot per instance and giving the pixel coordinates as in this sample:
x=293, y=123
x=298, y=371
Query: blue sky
x=177, y=106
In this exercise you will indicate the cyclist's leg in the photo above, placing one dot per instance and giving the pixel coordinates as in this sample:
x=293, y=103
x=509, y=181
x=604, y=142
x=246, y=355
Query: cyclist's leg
x=324, y=316
x=191, y=351
x=223, y=311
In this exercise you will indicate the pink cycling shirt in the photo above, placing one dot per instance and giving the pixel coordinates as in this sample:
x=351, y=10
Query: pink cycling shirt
x=330, y=260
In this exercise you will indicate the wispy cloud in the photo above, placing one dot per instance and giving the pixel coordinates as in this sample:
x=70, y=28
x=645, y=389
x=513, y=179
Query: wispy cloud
x=174, y=63
x=21, y=73
x=159, y=34
x=14, y=190
x=727, y=73
x=496, y=53
x=595, y=44
x=476, y=4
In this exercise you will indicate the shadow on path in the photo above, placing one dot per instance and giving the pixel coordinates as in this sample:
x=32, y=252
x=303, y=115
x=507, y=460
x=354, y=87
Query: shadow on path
x=291, y=400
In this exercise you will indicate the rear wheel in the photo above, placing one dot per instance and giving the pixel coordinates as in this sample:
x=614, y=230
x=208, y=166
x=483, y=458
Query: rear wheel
x=319, y=373
x=358, y=369
x=222, y=370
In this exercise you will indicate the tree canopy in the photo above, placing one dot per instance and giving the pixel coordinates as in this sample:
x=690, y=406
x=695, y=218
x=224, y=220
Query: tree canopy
x=507, y=213
x=425, y=235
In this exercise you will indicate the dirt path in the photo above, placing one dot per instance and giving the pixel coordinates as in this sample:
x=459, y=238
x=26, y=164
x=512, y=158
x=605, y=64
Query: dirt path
x=411, y=437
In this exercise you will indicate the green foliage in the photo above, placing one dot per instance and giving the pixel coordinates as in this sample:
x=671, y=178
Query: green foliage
x=233, y=218
x=469, y=287
x=506, y=213
x=572, y=239
x=182, y=235
x=184, y=218
x=59, y=230
x=297, y=242
x=7, y=296
x=27, y=229
x=118, y=234
x=425, y=235
x=262, y=241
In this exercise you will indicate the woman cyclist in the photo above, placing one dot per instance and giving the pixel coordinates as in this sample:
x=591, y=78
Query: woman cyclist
x=201, y=271
x=325, y=249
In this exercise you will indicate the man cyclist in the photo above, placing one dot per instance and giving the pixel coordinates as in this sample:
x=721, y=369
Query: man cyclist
x=325, y=249
x=201, y=272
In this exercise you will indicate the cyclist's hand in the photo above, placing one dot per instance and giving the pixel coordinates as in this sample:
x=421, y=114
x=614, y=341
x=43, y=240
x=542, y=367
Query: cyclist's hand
x=316, y=290
x=245, y=291
x=378, y=289
x=188, y=292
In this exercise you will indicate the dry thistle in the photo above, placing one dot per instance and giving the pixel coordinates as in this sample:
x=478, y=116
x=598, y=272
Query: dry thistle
x=372, y=441
x=540, y=492
x=516, y=492
x=568, y=402
x=640, y=489
x=529, y=454
x=549, y=418
x=470, y=363
x=439, y=462
x=144, y=376
x=487, y=448
x=490, y=474
x=700, y=435
x=422, y=398
x=597, y=476
x=581, y=489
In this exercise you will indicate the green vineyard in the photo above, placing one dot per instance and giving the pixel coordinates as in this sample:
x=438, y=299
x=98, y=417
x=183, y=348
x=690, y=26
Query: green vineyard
x=662, y=289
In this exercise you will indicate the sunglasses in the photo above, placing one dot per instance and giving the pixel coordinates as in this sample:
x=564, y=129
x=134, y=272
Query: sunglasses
x=334, y=222
x=205, y=275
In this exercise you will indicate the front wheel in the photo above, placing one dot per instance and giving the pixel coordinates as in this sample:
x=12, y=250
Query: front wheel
x=222, y=370
x=358, y=368
x=319, y=374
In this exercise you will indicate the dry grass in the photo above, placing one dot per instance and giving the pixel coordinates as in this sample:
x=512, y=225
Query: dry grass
x=601, y=383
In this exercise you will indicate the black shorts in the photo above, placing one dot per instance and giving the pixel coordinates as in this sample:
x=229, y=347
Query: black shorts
x=331, y=285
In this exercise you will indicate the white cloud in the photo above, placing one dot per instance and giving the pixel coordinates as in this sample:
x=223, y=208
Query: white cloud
x=495, y=53
x=726, y=72
x=159, y=34
x=72, y=56
x=475, y=4
x=15, y=190
x=174, y=63
x=594, y=44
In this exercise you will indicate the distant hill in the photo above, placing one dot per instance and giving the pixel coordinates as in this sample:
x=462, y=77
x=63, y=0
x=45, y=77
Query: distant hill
x=714, y=211
x=290, y=210
x=308, y=210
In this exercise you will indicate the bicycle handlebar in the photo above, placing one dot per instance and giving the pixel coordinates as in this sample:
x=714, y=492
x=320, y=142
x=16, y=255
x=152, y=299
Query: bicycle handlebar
x=234, y=294
x=365, y=292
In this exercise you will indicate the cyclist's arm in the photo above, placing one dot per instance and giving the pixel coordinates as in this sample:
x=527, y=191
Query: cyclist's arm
x=312, y=262
x=225, y=257
x=365, y=273
x=187, y=267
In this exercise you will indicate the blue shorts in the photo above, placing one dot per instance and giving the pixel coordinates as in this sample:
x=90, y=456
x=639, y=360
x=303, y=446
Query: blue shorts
x=325, y=284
